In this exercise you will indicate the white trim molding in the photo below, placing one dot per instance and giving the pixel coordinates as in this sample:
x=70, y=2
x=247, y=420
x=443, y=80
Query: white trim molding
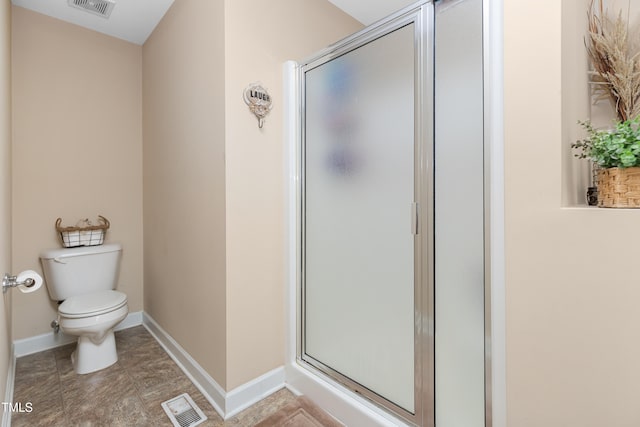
x=337, y=400
x=255, y=390
x=494, y=107
x=227, y=404
x=8, y=394
x=35, y=344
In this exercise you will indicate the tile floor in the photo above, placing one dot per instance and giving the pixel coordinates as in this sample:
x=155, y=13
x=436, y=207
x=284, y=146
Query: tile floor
x=127, y=393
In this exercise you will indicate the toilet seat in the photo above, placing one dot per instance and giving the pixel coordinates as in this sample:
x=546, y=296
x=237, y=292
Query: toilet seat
x=93, y=304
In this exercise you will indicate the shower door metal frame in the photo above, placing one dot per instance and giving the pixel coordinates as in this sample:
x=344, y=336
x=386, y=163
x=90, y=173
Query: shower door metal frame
x=421, y=15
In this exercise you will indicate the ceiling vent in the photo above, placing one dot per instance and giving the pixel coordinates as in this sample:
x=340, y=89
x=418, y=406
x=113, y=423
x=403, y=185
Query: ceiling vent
x=97, y=7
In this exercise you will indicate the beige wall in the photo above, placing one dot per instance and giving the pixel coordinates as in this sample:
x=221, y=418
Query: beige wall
x=214, y=226
x=571, y=288
x=77, y=149
x=290, y=29
x=184, y=193
x=5, y=186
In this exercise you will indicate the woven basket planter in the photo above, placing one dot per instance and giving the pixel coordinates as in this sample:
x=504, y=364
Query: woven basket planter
x=619, y=188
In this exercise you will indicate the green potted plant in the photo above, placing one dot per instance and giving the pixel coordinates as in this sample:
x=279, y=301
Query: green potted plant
x=617, y=154
x=615, y=58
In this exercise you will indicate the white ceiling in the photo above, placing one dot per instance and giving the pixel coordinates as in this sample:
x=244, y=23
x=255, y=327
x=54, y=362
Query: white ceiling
x=370, y=11
x=134, y=20
x=131, y=20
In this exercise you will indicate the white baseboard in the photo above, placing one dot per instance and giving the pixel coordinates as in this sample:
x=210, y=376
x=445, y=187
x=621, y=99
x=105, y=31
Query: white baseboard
x=227, y=404
x=26, y=346
x=132, y=319
x=242, y=397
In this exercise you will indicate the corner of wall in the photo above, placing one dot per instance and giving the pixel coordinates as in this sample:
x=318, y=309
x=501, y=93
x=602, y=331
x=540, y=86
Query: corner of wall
x=184, y=180
x=6, y=353
x=575, y=101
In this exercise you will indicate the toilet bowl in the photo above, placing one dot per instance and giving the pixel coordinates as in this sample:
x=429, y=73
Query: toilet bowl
x=83, y=281
x=92, y=317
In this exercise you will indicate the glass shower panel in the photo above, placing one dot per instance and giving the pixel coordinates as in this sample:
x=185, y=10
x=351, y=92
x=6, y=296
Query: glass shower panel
x=459, y=212
x=358, y=192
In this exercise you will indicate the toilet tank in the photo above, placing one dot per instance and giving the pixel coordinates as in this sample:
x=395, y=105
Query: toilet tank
x=77, y=271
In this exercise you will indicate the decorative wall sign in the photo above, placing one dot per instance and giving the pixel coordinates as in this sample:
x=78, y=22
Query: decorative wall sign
x=258, y=100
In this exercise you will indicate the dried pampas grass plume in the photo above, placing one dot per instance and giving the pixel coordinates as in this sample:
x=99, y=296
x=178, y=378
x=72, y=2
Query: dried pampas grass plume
x=615, y=57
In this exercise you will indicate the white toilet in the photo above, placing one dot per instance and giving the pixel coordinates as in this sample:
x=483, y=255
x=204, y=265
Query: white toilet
x=83, y=280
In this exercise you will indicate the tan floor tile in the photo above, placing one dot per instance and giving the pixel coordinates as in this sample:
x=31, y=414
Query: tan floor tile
x=69, y=379
x=141, y=354
x=65, y=351
x=262, y=409
x=155, y=373
x=40, y=418
x=160, y=392
x=96, y=390
x=128, y=393
x=43, y=394
x=126, y=411
x=34, y=365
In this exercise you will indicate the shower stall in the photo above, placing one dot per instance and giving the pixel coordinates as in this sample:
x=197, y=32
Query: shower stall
x=387, y=186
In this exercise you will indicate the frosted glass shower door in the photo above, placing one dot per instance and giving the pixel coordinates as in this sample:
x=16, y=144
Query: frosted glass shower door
x=358, y=229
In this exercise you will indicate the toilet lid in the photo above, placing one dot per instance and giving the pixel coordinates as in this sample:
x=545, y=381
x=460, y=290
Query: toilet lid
x=92, y=304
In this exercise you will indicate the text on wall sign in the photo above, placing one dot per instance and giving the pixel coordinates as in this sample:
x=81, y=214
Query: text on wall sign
x=258, y=100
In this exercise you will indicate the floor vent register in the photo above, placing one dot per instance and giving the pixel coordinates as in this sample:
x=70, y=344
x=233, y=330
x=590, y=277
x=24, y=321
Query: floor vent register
x=183, y=412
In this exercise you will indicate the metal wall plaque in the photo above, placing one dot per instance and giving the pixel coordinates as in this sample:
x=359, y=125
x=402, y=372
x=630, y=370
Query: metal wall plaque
x=258, y=100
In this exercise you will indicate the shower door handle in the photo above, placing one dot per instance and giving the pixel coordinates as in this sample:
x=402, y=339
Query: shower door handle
x=414, y=218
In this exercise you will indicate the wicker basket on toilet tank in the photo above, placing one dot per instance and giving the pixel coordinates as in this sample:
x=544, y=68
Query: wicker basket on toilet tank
x=83, y=234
